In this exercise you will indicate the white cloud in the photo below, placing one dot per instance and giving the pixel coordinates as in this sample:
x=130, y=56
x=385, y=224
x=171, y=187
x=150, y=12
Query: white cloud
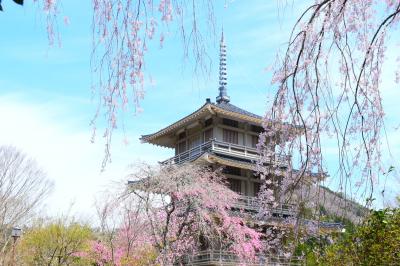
x=66, y=154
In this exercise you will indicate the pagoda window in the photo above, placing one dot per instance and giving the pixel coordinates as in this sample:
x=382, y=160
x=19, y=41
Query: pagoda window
x=230, y=136
x=194, y=141
x=235, y=185
x=230, y=122
x=254, y=141
x=181, y=147
x=208, y=134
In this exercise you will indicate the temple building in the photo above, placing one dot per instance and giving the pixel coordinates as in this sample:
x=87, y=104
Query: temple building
x=222, y=134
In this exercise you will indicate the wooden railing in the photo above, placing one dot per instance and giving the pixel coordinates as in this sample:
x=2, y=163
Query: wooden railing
x=224, y=148
x=323, y=224
x=215, y=257
x=234, y=150
x=253, y=204
x=189, y=155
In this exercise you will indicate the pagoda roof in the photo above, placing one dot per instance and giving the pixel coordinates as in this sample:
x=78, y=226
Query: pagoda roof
x=233, y=108
x=223, y=108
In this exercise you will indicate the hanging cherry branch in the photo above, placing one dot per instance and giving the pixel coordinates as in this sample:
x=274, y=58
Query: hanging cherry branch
x=329, y=85
x=122, y=32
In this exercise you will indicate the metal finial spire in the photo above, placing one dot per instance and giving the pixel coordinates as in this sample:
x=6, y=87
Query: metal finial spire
x=223, y=96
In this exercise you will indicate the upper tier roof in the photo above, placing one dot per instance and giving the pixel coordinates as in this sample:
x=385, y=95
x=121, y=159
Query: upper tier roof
x=233, y=108
x=208, y=108
x=166, y=136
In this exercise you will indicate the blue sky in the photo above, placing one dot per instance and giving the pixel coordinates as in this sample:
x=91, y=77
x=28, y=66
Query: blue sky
x=45, y=96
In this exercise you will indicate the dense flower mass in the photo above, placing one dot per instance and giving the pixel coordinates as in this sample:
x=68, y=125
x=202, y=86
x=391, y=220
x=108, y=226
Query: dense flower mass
x=188, y=209
x=169, y=214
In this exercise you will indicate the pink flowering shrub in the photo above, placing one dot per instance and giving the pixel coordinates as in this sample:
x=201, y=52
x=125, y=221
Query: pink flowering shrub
x=188, y=209
x=120, y=252
x=168, y=214
x=102, y=254
x=123, y=238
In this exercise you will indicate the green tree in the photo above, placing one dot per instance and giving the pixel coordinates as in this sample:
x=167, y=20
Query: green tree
x=55, y=243
x=375, y=242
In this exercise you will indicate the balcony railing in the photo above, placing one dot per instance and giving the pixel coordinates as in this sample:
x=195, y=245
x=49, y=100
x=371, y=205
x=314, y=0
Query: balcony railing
x=215, y=257
x=253, y=204
x=224, y=148
x=323, y=224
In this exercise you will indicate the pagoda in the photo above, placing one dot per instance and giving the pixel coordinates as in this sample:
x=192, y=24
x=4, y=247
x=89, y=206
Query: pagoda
x=221, y=134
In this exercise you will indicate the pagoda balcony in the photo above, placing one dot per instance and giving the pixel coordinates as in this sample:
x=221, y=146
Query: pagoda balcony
x=253, y=204
x=217, y=257
x=240, y=152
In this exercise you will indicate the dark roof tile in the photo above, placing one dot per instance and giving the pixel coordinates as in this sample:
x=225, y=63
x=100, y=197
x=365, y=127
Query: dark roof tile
x=233, y=108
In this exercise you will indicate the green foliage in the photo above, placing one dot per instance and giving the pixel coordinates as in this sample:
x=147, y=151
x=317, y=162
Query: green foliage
x=313, y=249
x=304, y=212
x=56, y=243
x=375, y=242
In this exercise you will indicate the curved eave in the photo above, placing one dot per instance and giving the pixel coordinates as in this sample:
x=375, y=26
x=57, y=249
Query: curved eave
x=151, y=138
x=207, y=108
